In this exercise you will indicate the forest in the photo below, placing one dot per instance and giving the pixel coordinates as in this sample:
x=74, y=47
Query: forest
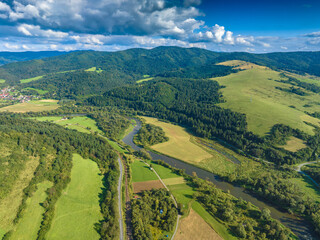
x=150, y=135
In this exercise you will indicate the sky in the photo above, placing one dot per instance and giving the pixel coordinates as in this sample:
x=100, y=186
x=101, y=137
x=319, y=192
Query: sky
x=109, y=25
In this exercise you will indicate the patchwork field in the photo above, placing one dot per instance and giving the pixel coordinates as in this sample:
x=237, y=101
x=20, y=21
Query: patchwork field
x=32, y=106
x=94, y=69
x=254, y=93
x=194, y=227
x=183, y=193
x=10, y=204
x=78, y=210
x=30, y=223
x=179, y=145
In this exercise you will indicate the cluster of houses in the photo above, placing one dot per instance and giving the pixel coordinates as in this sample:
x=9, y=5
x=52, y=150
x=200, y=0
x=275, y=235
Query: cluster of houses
x=9, y=93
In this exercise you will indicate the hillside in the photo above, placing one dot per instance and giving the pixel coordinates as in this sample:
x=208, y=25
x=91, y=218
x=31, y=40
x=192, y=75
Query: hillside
x=266, y=98
x=9, y=57
x=62, y=75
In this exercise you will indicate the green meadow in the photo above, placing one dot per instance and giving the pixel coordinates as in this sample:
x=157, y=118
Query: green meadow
x=144, y=79
x=2, y=80
x=254, y=93
x=41, y=92
x=77, y=210
x=27, y=80
x=30, y=223
x=81, y=123
x=141, y=172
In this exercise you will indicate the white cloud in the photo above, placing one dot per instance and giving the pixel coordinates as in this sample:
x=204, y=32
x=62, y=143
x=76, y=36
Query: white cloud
x=32, y=30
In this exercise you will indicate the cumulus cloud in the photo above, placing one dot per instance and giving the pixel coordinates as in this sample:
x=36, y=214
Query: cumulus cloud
x=32, y=30
x=121, y=24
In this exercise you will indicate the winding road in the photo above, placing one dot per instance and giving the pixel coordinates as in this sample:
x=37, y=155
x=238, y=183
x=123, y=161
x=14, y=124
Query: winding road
x=303, y=173
x=121, y=237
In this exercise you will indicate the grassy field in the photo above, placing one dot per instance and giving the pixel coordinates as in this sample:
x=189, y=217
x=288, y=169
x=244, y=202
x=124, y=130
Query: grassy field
x=2, y=80
x=81, y=123
x=41, y=92
x=194, y=227
x=94, y=69
x=179, y=145
x=141, y=172
x=30, y=223
x=307, y=187
x=294, y=144
x=32, y=106
x=10, y=204
x=144, y=79
x=254, y=93
x=27, y=80
x=78, y=210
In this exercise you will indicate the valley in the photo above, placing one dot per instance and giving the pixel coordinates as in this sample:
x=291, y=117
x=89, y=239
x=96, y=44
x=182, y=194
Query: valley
x=205, y=139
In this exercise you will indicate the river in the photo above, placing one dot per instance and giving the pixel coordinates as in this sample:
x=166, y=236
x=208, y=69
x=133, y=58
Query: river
x=299, y=226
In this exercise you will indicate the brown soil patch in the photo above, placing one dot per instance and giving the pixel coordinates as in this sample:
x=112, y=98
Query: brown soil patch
x=148, y=185
x=194, y=227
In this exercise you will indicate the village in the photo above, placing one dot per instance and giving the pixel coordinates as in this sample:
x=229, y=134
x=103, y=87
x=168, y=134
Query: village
x=12, y=94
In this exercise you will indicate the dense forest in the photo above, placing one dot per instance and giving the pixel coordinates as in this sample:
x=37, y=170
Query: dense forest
x=150, y=135
x=192, y=103
x=119, y=68
x=40, y=139
x=153, y=211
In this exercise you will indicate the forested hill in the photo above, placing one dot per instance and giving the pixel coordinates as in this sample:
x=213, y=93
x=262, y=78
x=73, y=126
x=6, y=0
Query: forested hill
x=160, y=61
x=9, y=57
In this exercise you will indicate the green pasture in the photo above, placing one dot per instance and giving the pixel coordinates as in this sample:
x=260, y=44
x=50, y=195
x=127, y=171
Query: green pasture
x=77, y=211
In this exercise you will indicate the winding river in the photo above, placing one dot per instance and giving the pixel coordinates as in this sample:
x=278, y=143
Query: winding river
x=299, y=226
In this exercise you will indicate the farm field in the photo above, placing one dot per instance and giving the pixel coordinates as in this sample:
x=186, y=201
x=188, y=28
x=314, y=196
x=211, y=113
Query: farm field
x=81, y=123
x=144, y=80
x=2, y=80
x=194, y=227
x=77, y=210
x=254, y=93
x=32, y=106
x=10, y=204
x=141, y=172
x=179, y=145
x=30, y=223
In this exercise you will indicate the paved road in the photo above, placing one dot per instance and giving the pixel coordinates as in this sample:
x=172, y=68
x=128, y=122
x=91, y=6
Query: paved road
x=304, y=164
x=303, y=173
x=120, y=200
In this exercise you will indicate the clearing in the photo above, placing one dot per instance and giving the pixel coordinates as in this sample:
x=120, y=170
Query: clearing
x=94, y=69
x=242, y=65
x=39, y=91
x=10, y=204
x=254, y=93
x=294, y=144
x=77, y=210
x=81, y=123
x=194, y=227
x=32, y=106
x=30, y=79
x=179, y=145
x=144, y=80
x=30, y=223
x=307, y=186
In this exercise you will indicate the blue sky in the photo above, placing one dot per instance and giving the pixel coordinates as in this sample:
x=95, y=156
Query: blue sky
x=110, y=25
